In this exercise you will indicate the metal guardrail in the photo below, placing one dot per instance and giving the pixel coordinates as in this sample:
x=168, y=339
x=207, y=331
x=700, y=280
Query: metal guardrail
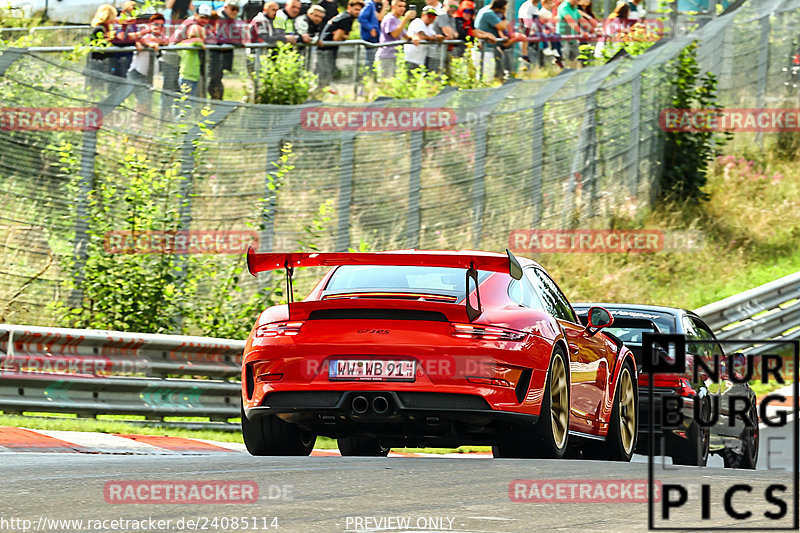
x=91, y=372
x=771, y=311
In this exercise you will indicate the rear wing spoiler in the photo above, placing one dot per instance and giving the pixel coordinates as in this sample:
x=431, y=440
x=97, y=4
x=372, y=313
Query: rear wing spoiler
x=471, y=261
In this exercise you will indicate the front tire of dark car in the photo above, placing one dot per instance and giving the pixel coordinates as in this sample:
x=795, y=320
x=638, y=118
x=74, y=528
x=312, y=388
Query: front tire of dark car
x=362, y=447
x=269, y=435
x=749, y=457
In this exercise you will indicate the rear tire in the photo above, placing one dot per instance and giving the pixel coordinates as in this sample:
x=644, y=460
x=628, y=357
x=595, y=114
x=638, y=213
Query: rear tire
x=548, y=438
x=269, y=435
x=358, y=447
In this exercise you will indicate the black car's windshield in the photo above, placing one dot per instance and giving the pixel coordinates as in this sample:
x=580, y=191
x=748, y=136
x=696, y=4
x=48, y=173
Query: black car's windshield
x=435, y=280
x=629, y=325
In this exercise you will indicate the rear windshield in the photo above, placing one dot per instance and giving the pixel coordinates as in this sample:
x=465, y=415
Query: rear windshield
x=434, y=280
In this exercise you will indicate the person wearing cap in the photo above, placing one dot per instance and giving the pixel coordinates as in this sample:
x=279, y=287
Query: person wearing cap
x=422, y=30
x=230, y=30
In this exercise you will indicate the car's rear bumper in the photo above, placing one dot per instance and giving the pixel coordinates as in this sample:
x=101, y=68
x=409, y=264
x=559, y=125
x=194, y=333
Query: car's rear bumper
x=411, y=418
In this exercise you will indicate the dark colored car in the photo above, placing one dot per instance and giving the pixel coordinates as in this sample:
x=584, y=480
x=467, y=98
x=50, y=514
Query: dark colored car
x=692, y=443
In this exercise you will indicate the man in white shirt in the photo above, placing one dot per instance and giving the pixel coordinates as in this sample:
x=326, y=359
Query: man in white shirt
x=422, y=29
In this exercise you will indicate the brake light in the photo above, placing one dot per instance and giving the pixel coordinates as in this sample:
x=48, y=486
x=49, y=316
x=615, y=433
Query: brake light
x=279, y=329
x=796, y=59
x=486, y=333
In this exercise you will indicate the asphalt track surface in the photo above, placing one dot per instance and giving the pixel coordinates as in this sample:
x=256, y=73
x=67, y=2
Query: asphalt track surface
x=329, y=494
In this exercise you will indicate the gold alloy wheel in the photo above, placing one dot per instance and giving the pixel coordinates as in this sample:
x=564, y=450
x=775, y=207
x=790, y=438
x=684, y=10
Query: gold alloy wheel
x=627, y=411
x=559, y=402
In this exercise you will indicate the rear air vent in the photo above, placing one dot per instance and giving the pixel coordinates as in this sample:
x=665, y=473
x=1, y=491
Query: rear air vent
x=377, y=314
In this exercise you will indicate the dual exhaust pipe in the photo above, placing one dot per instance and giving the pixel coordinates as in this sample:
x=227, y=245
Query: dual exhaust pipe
x=380, y=405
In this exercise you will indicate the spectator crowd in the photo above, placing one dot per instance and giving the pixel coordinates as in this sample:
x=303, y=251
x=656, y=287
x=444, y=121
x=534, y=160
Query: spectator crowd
x=532, y=31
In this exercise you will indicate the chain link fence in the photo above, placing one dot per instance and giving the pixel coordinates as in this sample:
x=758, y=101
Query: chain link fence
x=576, y=149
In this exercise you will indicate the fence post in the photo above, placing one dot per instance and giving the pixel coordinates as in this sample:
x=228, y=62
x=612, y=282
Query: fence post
x=633, y=146
x=414, y=218
x=539, y=102
x=346, y=157
x=88, y=149
x=481, y=153
x=763, y=70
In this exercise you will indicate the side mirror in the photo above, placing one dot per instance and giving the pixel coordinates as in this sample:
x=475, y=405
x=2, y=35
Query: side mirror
x=598, y=318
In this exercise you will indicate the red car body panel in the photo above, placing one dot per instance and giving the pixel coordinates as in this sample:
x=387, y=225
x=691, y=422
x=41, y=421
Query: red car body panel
x=445, y=362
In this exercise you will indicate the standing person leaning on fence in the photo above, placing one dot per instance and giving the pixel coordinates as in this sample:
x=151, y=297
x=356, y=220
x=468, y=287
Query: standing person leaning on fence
x=490, y=21
x=104, y=18
x=170, y=61
x=230, y=30
x=153, y=36
x=190, y=60
x=369, y=21
x=126, y=34
x=445, y=24
x=285, y=19
x=569, y=25
x=393, y=28
x=421, y=29
x=262, y=27
x=336, y=29
x=311, y=23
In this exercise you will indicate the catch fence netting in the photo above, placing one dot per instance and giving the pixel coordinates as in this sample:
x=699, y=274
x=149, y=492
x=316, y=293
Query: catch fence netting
x=573, y=150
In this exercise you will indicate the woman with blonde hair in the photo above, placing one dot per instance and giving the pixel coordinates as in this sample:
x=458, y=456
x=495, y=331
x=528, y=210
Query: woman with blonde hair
x=104, y=18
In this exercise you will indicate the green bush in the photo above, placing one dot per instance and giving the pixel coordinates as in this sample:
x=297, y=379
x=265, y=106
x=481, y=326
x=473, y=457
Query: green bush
x=407, y=84
x=688, y=154
x=282, y=77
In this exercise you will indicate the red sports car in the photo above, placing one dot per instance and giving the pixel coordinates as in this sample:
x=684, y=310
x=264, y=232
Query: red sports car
x=434, y=348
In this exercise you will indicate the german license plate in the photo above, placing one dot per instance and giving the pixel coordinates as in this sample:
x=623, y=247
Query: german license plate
x=371, y=370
